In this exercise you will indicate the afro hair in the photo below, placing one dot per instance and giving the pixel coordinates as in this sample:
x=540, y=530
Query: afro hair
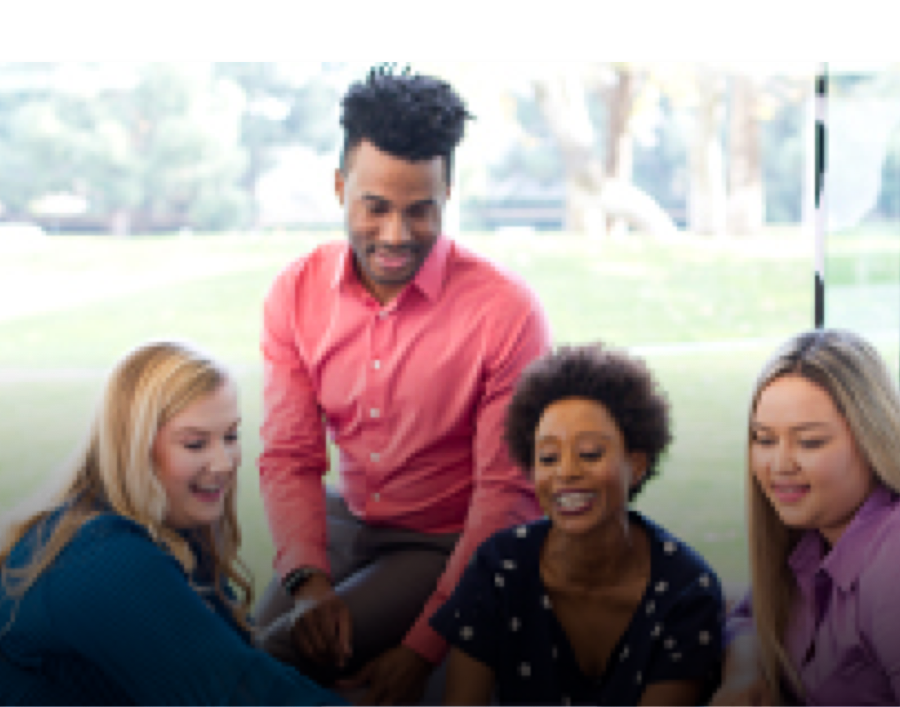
x=616, y=380
x=406, y=115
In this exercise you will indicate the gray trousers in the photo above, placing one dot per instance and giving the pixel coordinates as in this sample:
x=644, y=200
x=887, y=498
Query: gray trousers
x=384, y=575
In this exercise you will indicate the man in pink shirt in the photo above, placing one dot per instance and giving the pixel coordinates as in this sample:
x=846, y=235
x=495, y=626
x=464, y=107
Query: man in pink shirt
x=404, y=348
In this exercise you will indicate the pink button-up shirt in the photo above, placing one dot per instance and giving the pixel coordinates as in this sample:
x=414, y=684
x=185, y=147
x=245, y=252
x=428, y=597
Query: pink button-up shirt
x=413, y=394
x=844, y=635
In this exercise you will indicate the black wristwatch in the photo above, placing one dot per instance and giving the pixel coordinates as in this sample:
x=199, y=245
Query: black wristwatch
x=297, y=578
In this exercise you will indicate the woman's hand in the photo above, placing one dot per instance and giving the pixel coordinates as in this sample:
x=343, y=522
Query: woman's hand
x=742, y=680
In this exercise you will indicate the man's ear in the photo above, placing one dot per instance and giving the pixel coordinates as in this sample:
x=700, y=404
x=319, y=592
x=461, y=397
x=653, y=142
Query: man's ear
x=339, y=184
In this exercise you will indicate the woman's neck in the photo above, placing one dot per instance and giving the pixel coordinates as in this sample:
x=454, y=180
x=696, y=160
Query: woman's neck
x=603, y=557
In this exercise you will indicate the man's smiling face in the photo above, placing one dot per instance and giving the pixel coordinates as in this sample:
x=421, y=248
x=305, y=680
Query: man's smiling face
x=393, y=211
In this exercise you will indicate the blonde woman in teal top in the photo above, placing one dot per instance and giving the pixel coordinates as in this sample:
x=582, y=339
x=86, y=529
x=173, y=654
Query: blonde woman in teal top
x=128, y=590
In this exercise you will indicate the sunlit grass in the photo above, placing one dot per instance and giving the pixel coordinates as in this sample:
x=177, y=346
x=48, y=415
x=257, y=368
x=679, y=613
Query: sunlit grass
x=72, y=306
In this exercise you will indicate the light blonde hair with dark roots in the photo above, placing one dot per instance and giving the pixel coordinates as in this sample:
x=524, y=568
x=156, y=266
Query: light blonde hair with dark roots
x=859, y=384
x=114, y=471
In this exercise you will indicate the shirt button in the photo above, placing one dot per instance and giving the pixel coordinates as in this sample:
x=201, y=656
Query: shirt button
x=375, y=457
x=376, y=365
x=383, y=314
x=376, y=497
x=375, y=412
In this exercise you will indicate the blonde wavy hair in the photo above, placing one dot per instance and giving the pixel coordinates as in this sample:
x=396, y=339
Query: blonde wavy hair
x=856, y=378
x=115, y=473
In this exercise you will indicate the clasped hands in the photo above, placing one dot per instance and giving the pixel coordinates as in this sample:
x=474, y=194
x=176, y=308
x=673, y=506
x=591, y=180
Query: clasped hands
x=322, y=632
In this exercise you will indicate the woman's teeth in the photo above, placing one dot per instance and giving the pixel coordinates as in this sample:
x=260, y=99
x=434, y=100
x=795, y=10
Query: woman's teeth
x=574, y=500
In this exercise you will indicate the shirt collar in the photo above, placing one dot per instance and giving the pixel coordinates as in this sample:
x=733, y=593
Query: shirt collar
x=429, y=280
x=846, y=560
x=344, y=272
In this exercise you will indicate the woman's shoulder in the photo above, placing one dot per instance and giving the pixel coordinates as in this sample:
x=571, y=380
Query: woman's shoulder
x=110, y=526
x=873, y=549
x=515, y=541
x=110, y=540
x=676, y=562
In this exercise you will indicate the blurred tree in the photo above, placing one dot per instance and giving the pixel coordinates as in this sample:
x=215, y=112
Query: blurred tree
x=157, y=150
x=171, y=145
x=707, y=198
x=746, y=201
x=284, y=108
x=599, y=187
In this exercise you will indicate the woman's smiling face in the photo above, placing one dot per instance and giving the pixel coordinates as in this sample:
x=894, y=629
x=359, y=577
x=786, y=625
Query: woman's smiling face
x=196, y=455
x=582, y=471
x=805, y=458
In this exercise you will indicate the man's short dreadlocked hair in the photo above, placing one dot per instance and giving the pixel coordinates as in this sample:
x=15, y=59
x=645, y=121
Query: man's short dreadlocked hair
x=620, y=382
x=406, y=115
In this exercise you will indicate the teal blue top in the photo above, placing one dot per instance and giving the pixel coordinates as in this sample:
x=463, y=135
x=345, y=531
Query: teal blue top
x=115, y=620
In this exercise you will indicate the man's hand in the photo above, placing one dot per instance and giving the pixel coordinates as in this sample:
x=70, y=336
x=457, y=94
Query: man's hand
x=396, y=677
x=321, y=628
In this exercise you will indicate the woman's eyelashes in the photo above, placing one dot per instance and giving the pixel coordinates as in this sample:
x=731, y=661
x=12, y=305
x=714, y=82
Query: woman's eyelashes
x=763, y=440
x=547, y=459
x=805, y=443
x=587, y=455
x=198, y=445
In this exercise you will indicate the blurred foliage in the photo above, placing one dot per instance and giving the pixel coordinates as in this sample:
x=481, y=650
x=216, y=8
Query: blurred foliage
x=157, y=147
x=165, y=146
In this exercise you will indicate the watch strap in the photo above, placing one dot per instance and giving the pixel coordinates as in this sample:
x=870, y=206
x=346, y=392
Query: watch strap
x=298, y=577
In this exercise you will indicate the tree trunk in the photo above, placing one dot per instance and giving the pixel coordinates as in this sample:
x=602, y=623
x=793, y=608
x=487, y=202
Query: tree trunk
x=598, y=193
x=746, y=202
x=562, y=102
x=707, y=194
x=619, y=140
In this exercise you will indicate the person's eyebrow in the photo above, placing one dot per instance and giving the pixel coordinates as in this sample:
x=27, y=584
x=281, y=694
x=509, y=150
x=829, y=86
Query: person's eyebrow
x=587, y=433
x=799, y=428
x=381, y=201
x=422, y=202
x=190, y=429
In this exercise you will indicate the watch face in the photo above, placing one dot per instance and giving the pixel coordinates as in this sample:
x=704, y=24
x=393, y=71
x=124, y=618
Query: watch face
x=297, y=579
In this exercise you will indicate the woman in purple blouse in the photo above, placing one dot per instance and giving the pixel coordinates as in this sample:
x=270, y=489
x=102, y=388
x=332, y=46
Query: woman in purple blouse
x=823, y=623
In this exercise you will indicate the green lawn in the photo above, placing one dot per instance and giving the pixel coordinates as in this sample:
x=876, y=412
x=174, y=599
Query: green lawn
x=73, y=306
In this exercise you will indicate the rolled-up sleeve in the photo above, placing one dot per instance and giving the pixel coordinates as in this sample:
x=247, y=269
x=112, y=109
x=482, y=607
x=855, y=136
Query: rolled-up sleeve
x=294, y=457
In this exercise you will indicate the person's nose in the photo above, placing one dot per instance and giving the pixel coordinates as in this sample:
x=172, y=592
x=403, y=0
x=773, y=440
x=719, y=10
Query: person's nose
x=225, y=457
x=569, y=466
x=783, y=459
x=395, y=231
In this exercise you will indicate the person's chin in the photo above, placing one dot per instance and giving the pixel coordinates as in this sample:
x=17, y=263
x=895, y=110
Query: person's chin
x=575, y=525
x=394, y=277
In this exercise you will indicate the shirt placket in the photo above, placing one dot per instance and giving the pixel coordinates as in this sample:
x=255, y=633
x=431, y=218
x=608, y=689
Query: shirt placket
x=373, y=406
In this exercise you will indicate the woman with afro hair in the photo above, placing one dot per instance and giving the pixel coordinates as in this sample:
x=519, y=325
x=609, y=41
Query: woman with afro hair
x=594, y=603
